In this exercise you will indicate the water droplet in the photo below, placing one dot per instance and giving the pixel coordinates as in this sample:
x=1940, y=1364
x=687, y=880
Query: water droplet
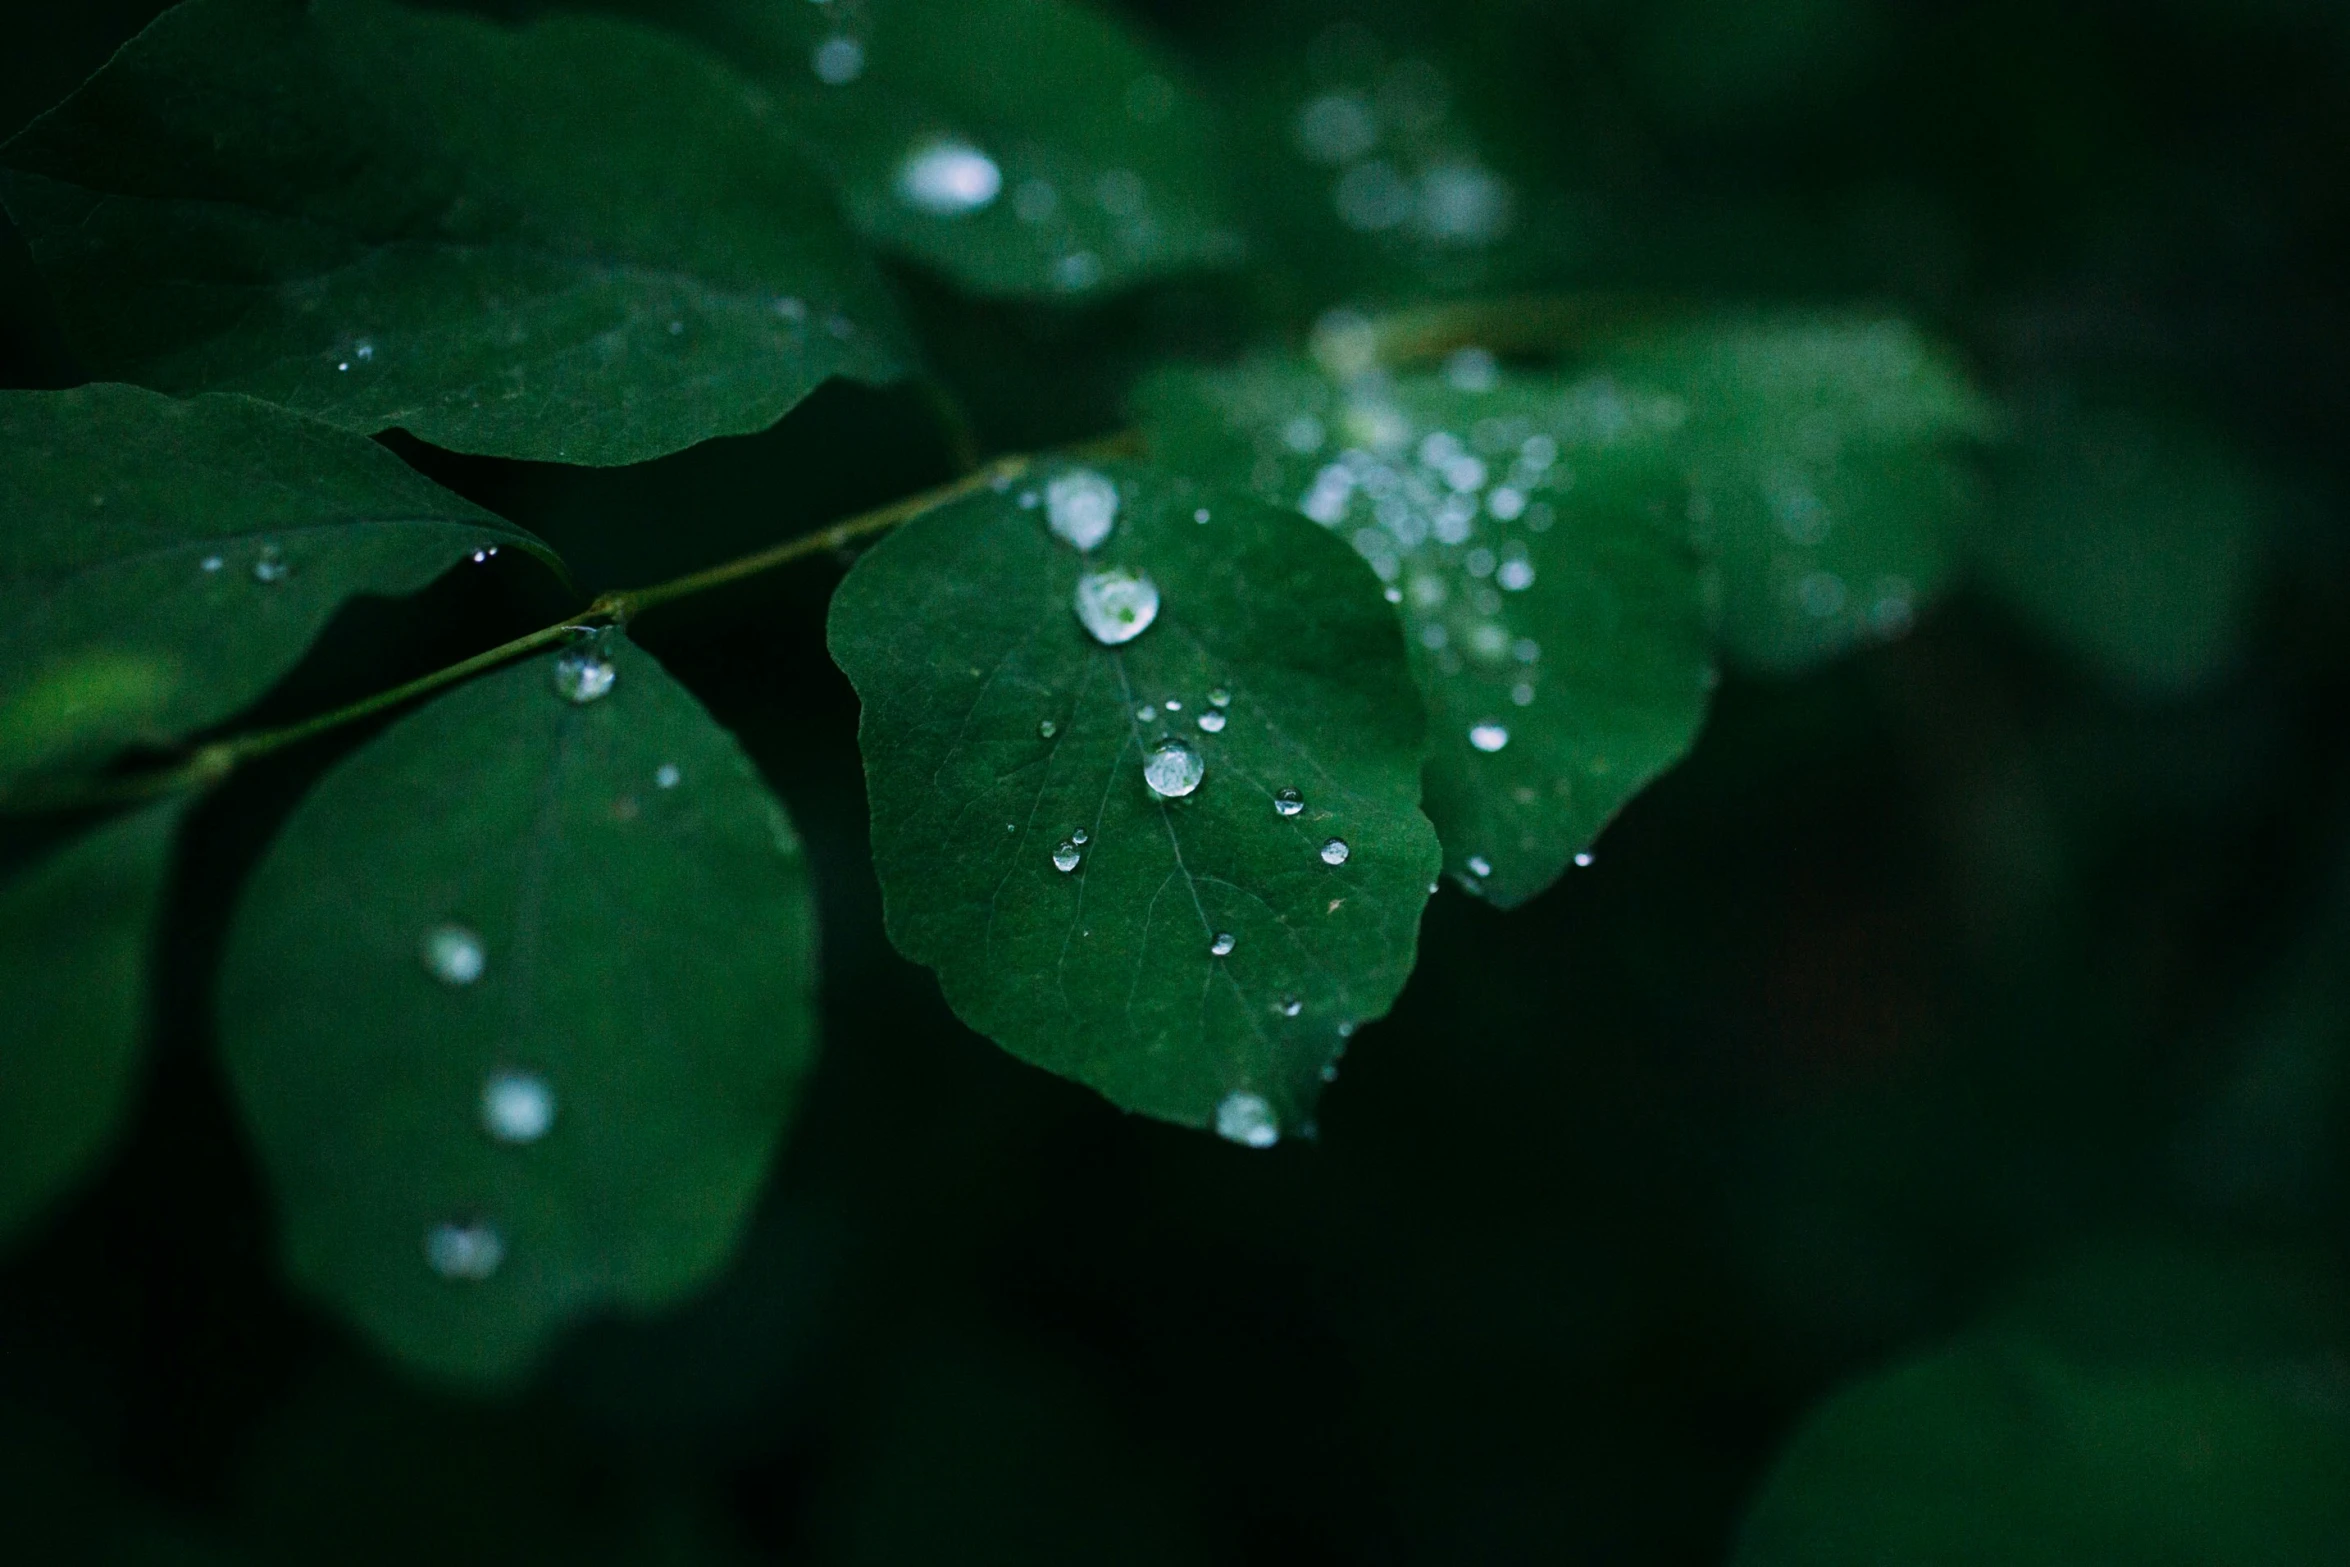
x=1394, y=595
x=947, y=178
x=1488, y=737
x=452, y=954
x=1173, y=704
x=1081, y=506
x=837, y=61
x=1219, y=697
x=1479, y=865
x=1048, y=729
x=1202, y=515
x=1288, y=803
x=1116, y=606
x=1065, y=857
x=1079, y=838
x=1289, y=1006
x=1247, y=1119
x=517, y=1107
x=1523, y=693
x=1515, y=576
x=1212, y=722
x=363, y=351
x=1173, y=770
x=270, y=565
x=211, y=563
x=470, y=1252
x=667, y=776
x=1223, y=944
x=584, y=675
x=1584, y=859
x=1335, y=852
x=1146, y=714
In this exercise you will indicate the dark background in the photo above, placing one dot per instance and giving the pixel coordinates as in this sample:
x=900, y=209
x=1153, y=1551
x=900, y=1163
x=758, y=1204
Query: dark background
x=1927, y=971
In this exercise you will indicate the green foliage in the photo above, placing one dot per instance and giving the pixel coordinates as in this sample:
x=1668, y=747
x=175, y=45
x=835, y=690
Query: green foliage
x=579, y=242
x=1071, y=908
x=166, y=562
x=2148, y=1409
x=516, y=1006
x=76, y=925
x=1528, y=529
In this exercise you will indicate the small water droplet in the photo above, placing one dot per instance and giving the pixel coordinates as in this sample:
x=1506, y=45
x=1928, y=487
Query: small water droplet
x=1289, y=1006
x=1173, y=704
x=1173, y=770
x=468, y=1252
x=667, y=776
x=1065, y=857
x=1048, y=729
x=452, y=954
x=947, y=178
x=1116, y=606
x=1488, y=737
x=517, y=1107
x=1393, y=595
x=1080, y=838
x=1212, y=722
x=1515, y=576
x=1288, y=803
x=584, y=675
x=1223, y=944
x=1081, y=506
x=1202, y=515
x=363, y=351
x=211, y=563
x=1479, y=865
x=837, y=61
x=1247, y=1119
x=1584, y=859
x=1219, y=697
x=1146, y=714
x=1335, y=852
x=270, y=565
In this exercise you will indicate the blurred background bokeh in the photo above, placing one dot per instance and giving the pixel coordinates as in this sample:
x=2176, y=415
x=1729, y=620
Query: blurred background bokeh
x=1969, y=1014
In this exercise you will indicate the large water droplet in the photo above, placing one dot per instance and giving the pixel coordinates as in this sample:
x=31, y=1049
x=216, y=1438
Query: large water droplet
x=1223, y=944
x=452, y=954
x=1212, y=722
x=1489, y=737
x=270, y=566
x=1288, y=802
x=583, y=675
x=947, y=178
x=1065, y=857
x=517, y=1107
x=1335, y=852
x=1116, y=606
x=469, y=1252
x=1246, y=1118
x=1173, y=769
x=1081, y=506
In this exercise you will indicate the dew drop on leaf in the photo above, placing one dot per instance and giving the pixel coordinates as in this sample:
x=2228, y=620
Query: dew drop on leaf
x=1246, y=1118
x=1220, y=697
x=1584, y=859
x=947, y=178
x=1048, y=729
x=1173, y=769
x=270, y=565
x=1288, y=802
x=1488, y=737
x=452, y=954
x=1079, y=838
x=1223, y=944
x=1065, y=857
x=1289, y=1006
x=667, y=776
x=517, y=1107
x=1116, y=606
x=584, y=676
x=469, y=1252
x=1479, y=865
x=1081, y=506
x=1212, y=722
x=1335, y=852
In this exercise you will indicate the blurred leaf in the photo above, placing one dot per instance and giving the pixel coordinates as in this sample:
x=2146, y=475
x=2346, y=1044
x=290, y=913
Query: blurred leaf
x=1024, y=147
x=579, y=242
x=1530, y=527
x=2141, y=1409
x=996, y=731
x=2133, y=543
x=166, y=562
x=516, y=1006
x=1825, y=452
x=75, y=928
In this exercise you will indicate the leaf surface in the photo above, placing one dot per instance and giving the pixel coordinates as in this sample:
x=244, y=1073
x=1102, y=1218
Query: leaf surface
x=579, y=242
x=997, y=730
x=76, y=924
x=166, y=562
x=1528, y=528
x=516, y=1007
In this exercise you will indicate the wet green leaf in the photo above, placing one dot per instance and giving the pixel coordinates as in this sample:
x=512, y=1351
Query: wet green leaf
x=1831, y=491
x=2140, y=1410
x=166, y=562
x=577, y=242
x=516, y=1007
x=1529, y=526
x=2132, y=542
x=1026, y=147
x=997, y=732
x=76, y=923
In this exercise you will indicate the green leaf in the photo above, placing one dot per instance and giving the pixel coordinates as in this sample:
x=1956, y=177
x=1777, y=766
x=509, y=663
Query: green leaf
x=516, y=1006
x=2141, y=1410
x=1830, y=489
x=1528, y=528
x=2132, y=542
x=76, y=924
x=165, y=562
x=579, y=242
x=1024, y=147
x=997, y=730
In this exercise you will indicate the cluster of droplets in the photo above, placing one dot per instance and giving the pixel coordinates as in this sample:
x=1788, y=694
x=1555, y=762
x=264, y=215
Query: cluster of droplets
x=1400, y=166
